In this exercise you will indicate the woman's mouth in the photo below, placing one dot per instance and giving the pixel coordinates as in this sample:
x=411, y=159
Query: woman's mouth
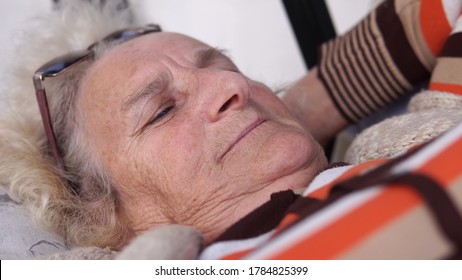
x=249, y=128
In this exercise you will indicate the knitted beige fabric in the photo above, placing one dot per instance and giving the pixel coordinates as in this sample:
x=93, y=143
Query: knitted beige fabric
x=169, y=242
x=434, y=100
x=84, y=253
x=430, y=113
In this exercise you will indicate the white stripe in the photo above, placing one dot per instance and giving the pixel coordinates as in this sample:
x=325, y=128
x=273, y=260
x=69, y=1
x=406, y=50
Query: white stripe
x=220, y=249
x=458, y=26
x=452, y=10
x=304, y=229
x=326, y=177
x=311, y=225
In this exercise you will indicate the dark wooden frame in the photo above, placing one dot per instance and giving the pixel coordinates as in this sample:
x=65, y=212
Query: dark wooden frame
x=312, y=25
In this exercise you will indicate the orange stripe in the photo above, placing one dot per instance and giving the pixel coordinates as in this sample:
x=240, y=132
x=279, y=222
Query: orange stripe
x=434, y=24
x=338, y=237
x=323, y=192
x=451, y=88
x=237, y=255
x=446, y=166
x=287, y=221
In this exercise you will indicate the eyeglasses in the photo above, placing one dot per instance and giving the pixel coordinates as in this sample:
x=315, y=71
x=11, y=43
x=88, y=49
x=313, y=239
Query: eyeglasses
x=60, y=64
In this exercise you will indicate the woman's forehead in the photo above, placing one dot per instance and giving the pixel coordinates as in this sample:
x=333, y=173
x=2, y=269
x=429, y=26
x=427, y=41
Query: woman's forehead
x=128, y=64
x=150, y=49
x=167, y=43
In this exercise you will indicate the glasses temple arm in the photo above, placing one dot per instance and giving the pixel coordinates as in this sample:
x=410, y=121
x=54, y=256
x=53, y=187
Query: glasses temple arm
x=44, y=111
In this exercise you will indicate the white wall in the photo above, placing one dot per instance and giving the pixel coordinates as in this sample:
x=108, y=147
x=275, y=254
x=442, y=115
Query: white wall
x=346, y=13
x=13, y=13
x=256, y=33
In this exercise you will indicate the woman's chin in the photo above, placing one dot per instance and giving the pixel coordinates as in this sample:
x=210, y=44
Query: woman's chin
x=293, y=153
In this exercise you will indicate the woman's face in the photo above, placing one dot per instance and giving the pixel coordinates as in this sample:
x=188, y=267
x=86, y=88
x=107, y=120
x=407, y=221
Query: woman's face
x=187, y=138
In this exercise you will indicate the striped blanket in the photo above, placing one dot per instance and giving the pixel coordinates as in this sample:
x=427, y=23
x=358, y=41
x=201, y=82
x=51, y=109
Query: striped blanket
x=406, y=207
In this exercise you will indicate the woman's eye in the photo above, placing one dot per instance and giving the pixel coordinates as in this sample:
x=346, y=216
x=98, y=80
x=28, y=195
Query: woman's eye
x=159, y=116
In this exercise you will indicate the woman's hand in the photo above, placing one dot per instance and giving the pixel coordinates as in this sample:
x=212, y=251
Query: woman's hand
x=309, y=101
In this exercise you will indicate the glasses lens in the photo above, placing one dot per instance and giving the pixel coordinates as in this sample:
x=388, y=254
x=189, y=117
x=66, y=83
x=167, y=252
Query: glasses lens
x=128, y=34
x=58, y=64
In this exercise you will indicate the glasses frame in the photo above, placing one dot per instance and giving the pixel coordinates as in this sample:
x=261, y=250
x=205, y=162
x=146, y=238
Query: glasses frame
x=58, y=65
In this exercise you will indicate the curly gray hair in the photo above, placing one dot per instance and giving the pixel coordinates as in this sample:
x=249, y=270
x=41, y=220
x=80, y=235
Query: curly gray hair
x=90, y=214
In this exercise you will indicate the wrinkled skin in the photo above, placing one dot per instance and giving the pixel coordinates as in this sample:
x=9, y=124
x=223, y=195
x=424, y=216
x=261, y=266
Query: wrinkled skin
x=187, y=138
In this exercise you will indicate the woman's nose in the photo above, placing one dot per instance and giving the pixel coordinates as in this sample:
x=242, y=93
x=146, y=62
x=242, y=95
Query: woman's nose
x=221, y=93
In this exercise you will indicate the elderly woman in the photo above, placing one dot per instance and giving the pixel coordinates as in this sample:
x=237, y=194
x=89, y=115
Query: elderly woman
x=175, y=127
x=148, y=128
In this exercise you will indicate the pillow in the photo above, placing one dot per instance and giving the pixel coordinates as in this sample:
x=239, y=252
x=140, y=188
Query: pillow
x=20, y=237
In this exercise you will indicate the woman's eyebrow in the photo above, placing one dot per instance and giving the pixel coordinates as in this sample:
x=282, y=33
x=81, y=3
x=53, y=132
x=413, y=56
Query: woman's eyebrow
x=202, y=58
x=205, y=57
x=154, y=87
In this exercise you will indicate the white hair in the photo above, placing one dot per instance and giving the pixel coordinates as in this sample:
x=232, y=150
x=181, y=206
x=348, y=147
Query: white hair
x=88, y=214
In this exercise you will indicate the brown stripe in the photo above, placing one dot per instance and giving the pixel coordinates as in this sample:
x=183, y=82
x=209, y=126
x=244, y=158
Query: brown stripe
x=355, y=76
x=369, y=42
x=261, y=220
x=339, y=79
x=360, y=86
x=357, y=60
x=453, y=46
x=397, y=44
x=448, y=70
x=411, y=236
x=359, y=43
x=438, y=201
x=336, y=165
x=440, y=204
x=373, y=177
x=455, y=191
x=348, y=78
x=408, y=12
x=330, y=80
x=392, y=75
x=324, y=77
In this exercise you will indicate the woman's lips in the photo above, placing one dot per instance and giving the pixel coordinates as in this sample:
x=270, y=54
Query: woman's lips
x=243, y=134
